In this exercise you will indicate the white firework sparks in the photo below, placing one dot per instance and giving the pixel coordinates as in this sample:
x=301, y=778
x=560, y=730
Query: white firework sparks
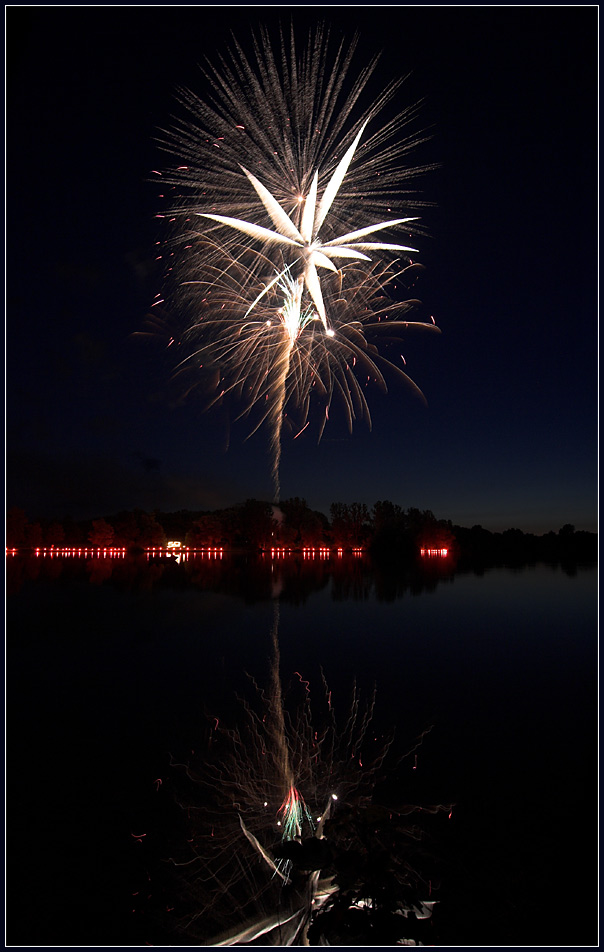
x=279, y=144
x=312, y=252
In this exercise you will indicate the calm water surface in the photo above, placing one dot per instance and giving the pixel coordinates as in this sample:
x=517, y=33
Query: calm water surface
x=114, y=663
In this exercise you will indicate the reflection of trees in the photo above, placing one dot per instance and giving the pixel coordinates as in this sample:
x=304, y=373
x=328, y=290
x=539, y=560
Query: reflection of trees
x=393, y=580
x=352, y=578
x=253, y=578
x=133, y=573
x=21, y=570
x=281, y=835
x=99, y=570
x=294, y=578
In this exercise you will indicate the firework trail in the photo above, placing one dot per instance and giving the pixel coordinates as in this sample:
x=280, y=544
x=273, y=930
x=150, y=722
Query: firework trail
x=282, y=366
x=276, y=715
x=285, y=174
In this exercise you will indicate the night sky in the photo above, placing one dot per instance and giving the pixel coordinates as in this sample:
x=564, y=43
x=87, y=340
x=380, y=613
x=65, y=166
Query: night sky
x=509, y=437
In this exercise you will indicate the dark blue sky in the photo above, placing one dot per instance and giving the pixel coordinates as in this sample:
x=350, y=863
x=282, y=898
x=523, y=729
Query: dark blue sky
x=509, y=437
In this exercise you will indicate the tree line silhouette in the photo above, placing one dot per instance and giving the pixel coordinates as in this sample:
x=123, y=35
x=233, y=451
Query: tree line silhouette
x=384, y=529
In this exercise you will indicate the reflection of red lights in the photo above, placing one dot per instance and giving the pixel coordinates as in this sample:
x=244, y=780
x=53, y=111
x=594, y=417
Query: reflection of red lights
x=434, y=553
x=309, y=552
x=117, y=552
x=78, y=551
x=182, y=553
x=321, y=552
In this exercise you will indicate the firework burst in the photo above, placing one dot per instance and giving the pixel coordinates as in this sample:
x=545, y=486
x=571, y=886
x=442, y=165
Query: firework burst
x=290, y=215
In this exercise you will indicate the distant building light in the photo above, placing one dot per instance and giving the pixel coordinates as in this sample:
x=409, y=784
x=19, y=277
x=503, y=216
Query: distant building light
x=434, y=553
x=173, y=545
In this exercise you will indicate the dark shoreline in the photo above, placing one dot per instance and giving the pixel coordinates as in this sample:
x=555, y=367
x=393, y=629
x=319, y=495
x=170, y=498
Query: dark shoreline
x=386, y=531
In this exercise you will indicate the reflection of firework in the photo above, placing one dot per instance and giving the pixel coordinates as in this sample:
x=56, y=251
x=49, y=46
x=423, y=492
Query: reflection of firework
x=261, y=806
x=282, y=144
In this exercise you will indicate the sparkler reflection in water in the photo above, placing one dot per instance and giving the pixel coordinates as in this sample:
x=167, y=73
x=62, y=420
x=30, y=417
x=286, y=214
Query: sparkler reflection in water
x=263, y=856
x=284, y=174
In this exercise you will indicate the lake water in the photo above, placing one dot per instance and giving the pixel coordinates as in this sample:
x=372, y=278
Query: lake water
x=114, y=663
